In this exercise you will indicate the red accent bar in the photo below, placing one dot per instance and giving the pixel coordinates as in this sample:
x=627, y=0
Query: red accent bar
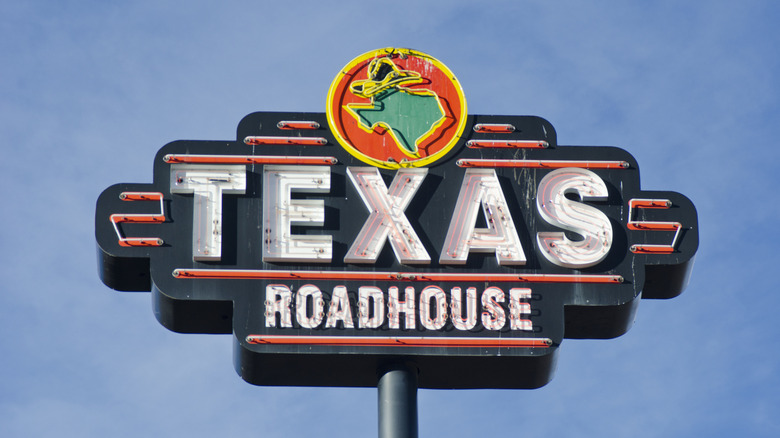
x=248, y=159
x=391, y=341
x=519, y=144
x=119, y=218
x=543, y=164
x=288, y=124
x=140, y=241
x=494, y=128
x=302, y=141
x=652, y=249
x=140, y=196
x=649, y=203
x=251, y=274
x=654, y=226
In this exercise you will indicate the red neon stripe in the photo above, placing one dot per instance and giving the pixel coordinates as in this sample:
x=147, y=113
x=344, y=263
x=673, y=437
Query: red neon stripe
x=140, y=241
x=652, y=249
x=519, y=144
x=248, y=159
x=543, y=164
x=654, y=226
x=494, y=128
x=391, y=341
x=250, y=274
x=649, y=203
x=140, y=196
x=121, y=218
x=302, y=141
x=288, y=124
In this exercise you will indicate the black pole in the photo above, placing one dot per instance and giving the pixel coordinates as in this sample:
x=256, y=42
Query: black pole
x=397, y=389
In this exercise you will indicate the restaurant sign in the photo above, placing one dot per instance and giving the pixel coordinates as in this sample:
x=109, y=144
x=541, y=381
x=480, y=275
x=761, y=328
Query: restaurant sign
x=395, y=227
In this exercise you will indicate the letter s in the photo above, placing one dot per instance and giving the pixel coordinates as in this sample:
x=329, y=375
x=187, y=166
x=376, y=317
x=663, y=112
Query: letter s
x=583, y=219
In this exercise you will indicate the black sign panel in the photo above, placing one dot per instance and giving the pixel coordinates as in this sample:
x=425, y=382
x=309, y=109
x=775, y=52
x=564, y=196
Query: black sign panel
x=325, y=265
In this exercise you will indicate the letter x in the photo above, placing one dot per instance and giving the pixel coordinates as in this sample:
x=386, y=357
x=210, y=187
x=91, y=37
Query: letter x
x=387, y=218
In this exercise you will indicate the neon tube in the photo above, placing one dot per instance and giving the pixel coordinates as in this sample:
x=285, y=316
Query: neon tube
x=257, y=274
x=288, y=124
x=119, y=218
x=543, y=164
x=652, y=226
x=303, y=141
x=519, y=144
x=494, y=128
x=393, y=341
x=652, y=249
x=248, y=159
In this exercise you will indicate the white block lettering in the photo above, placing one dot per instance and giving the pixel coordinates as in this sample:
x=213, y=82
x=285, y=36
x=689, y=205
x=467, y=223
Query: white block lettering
x=481, y=187
x=517, y=308
x=280, y=212
x=395, y=308
x=207, y=184
x=493, y=315
x=339, y=309
x=470, y=321
x=387, y=220
x=586, y=221
x=371, y=305
x=277, y=301
x=305, y=318
x=436, y=294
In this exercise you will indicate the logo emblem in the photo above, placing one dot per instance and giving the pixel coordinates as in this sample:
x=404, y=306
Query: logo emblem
x=395, y=108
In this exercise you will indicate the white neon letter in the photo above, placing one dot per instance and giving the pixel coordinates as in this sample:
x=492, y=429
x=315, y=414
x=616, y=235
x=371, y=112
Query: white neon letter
x=387, y=219
x=493, y=317
x=301, y=305
x=339, y=309
x=277, y=300
x=370, y=316
x=395, y=307
x=457, y=308
x=436, y=293
x=518, y=308
x=481, y=188
x=207, y=184
x=582, y=219
x=280, y=211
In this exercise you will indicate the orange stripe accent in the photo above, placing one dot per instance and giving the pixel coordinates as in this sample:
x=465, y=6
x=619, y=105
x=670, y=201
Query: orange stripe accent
x=649, y=203
x=121, y=218
x=543, y=164
x=248, y=159
x=287, y=124
x=652, y=249
x=654, y=226
x=301, y=141
x=140, y=241
x=520, y=144
x=390, y=341
x=140, y=196
x=494, y=128
x=248, y=274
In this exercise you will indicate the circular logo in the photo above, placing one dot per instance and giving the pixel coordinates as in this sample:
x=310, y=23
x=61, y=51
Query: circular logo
x=394, y=108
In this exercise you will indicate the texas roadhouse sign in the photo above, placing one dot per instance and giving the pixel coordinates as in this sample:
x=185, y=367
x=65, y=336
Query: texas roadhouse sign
x=395, y=226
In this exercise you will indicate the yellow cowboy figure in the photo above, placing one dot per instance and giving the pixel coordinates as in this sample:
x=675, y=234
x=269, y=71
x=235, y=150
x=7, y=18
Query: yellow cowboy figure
x=409, y=115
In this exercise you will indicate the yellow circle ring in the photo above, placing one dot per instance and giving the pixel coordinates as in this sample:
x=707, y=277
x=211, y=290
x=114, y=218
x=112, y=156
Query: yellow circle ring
x=367, y=57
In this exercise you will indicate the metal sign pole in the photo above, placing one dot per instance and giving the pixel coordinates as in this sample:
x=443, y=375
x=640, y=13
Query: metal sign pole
x=397, y=391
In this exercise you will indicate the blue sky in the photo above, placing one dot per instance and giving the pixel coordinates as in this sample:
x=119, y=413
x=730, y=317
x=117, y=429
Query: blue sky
x=90, y=90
